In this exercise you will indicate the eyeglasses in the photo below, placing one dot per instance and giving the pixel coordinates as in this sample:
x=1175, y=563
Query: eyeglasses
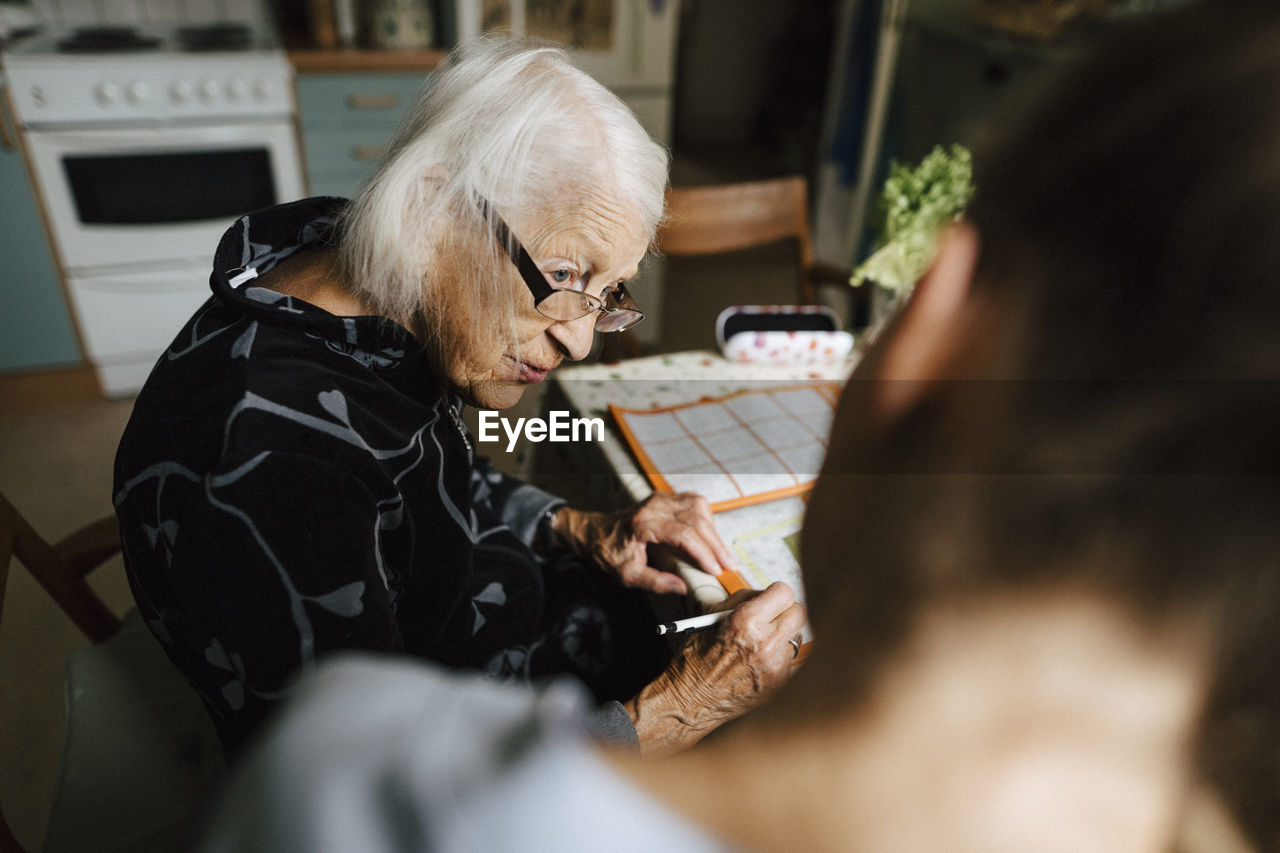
x=616, y=311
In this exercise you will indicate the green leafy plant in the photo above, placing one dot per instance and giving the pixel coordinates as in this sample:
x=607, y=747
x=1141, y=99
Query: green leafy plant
x=914, y=206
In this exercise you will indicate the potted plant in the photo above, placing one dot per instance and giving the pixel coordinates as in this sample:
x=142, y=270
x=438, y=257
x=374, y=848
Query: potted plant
x=914, y=205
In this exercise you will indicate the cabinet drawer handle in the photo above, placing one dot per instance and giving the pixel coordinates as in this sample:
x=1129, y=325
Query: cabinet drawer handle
x=368, y=152
x=5, y=141
x=373, y=102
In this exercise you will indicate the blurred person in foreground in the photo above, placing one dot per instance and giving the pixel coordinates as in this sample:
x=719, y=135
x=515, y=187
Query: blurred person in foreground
x=296, y=477
x=1041, y=560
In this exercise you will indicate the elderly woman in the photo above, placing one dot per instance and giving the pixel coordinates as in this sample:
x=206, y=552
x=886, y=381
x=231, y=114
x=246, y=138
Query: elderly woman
x=296, y=477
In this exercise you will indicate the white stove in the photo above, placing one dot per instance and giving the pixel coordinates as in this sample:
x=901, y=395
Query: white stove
x=144, y=144
x=147, y=73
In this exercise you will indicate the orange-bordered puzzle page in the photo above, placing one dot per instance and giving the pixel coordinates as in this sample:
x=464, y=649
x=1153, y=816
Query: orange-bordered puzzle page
x=739, y=449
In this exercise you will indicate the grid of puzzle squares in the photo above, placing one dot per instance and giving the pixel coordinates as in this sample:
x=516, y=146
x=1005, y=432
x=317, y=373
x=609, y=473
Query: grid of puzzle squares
x=738, y=449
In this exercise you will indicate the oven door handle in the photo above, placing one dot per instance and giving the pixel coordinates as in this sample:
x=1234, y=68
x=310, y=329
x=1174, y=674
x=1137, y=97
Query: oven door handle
x=387, y=101
x=149, y=139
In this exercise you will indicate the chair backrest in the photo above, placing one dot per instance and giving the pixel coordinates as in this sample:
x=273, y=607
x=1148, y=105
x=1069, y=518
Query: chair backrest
x=720, y=218
x=61, y=568
x=139, y=756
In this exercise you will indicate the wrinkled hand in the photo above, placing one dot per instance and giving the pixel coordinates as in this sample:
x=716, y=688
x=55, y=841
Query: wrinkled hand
x=619, y=541
x=720, y=674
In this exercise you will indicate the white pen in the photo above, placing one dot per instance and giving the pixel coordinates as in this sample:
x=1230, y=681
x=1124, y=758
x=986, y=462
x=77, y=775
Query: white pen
x=694, y=623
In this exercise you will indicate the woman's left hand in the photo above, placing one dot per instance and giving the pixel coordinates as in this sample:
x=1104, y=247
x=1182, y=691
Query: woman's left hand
x=619, y=541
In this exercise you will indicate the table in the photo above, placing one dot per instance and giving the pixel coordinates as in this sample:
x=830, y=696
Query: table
x=604, y=475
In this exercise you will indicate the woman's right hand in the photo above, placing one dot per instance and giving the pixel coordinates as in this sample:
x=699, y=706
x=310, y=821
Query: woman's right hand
x=720, y=674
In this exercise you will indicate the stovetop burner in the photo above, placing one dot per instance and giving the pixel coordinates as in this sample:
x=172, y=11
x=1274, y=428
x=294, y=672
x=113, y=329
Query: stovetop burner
x=215, y=37
x=146, y=41
x=107, y=40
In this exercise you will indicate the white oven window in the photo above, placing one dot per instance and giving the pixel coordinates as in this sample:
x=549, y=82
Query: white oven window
x=168, y=187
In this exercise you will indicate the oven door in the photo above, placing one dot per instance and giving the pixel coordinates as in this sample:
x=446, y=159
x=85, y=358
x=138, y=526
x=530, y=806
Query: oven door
x=127, y=319
x=120, y=198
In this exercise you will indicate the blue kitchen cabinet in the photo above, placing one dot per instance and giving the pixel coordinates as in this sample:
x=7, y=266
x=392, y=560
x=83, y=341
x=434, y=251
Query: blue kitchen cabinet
x=36, y=330
x=348, y=120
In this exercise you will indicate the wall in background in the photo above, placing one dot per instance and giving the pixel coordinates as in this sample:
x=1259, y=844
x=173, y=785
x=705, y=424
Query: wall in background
x=751, y=78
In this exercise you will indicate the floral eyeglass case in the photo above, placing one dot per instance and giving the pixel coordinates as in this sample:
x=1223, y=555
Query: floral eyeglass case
x=782, y=335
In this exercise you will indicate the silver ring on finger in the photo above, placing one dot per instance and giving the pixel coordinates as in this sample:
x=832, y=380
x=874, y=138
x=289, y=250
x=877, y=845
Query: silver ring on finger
x=795, y=648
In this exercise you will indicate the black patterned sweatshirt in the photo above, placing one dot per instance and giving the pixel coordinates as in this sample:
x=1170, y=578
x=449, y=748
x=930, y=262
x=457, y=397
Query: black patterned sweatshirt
x=292, y=482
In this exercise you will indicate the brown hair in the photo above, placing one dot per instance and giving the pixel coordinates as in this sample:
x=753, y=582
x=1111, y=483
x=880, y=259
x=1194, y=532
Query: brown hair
x=1129, y=229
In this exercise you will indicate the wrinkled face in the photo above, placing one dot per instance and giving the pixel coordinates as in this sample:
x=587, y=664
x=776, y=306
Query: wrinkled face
x=591, y=242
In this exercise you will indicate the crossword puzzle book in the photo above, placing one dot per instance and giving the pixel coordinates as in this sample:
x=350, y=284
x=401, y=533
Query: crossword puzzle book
x=736, y=450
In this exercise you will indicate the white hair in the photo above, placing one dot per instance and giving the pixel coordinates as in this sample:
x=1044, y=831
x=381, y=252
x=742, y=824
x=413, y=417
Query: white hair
x=501, y=121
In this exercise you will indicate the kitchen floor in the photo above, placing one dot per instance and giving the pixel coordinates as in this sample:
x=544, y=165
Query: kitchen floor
x=55, y=466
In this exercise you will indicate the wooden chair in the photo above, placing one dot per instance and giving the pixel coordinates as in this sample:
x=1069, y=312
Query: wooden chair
x=723, y=218
x=138, y=751
x=731, y=217
x=61, y=569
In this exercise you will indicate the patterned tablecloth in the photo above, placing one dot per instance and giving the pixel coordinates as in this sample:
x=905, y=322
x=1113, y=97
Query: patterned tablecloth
x=604, y=474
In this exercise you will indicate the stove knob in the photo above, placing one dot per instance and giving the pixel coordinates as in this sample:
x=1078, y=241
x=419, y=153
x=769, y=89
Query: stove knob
x=264, y=88
x=208, y=89
x=180, y=92
x=138, y=92
x=237, y=88
x=108, y=93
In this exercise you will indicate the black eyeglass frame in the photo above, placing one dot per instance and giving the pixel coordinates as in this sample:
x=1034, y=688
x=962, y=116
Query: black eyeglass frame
x=543, y=290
